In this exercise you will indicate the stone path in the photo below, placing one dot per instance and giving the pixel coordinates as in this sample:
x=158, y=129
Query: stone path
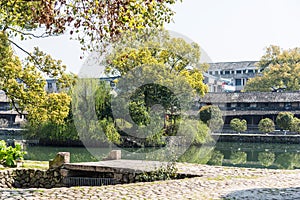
x=216, y=183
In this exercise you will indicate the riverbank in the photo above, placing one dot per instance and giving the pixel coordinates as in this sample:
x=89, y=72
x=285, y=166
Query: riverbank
x=216, y=182
x=257, y=138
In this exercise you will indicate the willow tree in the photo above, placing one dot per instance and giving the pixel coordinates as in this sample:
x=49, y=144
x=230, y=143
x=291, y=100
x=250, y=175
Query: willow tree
x=90, y=22
x=280, y=71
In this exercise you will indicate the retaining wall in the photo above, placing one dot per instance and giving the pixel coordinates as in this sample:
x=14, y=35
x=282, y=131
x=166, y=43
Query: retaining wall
x=30, y=178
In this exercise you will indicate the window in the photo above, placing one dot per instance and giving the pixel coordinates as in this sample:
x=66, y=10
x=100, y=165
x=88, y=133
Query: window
x=239, y=71
x=216, y=73
x=250, y=71
x=238, y=82
x=227, y=72
x=50, y=86
x=210, y=72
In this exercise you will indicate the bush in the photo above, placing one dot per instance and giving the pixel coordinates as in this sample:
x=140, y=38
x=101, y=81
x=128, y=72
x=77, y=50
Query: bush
x=212, y=116
x=295, y=125
x=284, y=120
x=167, y=172
x=266, y=125
x=9, y=155
x=238, y=125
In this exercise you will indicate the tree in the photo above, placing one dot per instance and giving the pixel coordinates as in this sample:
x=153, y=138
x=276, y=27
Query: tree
x=24, y=84
x=212, y=116
x=266, y=125
x=91, y=22
x=238, y=125
x=98, y=20
x=295, y=125
x=157, y=47
x=280, y=71
x=171, y=76
x=91, y=115
x=284, y=120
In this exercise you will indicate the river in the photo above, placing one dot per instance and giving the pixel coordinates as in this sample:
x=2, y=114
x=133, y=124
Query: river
x=254, y=155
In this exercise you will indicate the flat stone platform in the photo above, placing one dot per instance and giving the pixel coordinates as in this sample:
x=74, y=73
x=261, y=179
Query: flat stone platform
x=136, y=166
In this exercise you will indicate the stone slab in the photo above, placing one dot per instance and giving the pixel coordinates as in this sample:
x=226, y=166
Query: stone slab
x=116, y=166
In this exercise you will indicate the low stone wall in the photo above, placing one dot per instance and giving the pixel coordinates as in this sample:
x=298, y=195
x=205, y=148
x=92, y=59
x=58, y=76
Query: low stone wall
x=260, y=139
x=30, y=178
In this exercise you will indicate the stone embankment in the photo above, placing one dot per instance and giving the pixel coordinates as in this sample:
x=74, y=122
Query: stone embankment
x=214, y=183
x=29, y=178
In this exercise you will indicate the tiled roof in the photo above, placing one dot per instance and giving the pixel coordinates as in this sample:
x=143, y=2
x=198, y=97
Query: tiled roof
x=232, y=65
x=251, y=97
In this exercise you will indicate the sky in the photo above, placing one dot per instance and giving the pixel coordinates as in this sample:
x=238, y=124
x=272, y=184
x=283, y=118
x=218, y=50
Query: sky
x=227, y=30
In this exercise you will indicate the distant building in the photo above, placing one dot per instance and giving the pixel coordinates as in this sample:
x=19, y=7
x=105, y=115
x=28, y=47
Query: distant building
x=51, y=85
x=9, y=117
x=214, y=83
x=236, y=74
x=253, y=106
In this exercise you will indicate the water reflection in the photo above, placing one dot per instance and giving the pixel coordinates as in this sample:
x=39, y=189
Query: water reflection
x=266, y=158
x=238, y=157
x=280, y=156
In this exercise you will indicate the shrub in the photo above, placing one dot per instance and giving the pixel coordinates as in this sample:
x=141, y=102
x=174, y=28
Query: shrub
x=212, y=116
x=284, y=120
x=167, y=172
x=295, y=125
x=238, y=125
x=266, y=125
x=10, y=155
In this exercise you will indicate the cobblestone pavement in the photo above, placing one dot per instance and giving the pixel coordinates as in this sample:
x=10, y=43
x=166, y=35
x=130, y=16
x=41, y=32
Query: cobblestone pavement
x=216, y=183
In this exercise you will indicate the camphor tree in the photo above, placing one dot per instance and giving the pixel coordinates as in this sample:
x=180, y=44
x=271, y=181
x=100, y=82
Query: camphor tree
x=90, y=22
x=280, y=71
x=266, y=125
x=238, y=125
x=284, y=120
x=171, y=65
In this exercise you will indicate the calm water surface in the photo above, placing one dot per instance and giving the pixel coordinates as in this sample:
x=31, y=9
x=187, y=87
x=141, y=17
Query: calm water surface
x=256, y=155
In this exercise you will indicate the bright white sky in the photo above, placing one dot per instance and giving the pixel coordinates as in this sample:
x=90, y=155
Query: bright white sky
x=228, y=30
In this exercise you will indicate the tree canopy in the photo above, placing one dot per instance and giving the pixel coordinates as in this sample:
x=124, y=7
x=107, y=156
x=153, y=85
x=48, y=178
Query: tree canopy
x=157, y=47
x=280, y=71
x=160, y=75
x=90, y=22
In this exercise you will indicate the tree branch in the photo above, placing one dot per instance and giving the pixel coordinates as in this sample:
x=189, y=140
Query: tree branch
x=29, y=54
x=31, y=34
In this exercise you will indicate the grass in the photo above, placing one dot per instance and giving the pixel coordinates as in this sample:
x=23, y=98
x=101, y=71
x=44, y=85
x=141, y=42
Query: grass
x=36, y=164
x=31, y=164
